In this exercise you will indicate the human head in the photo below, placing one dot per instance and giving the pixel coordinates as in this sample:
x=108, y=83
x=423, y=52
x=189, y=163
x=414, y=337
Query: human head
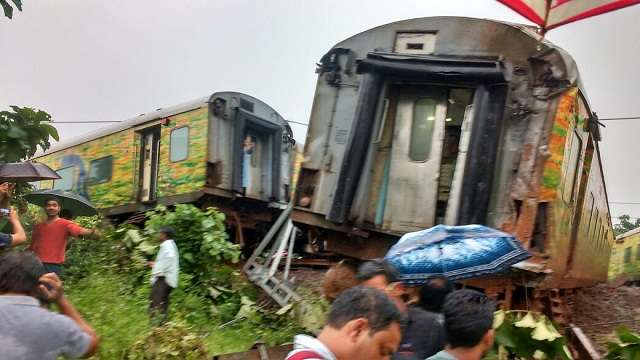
x=433, y=293
x=378, y=274
x=20, y=273
x=468, y=320
x=339, y=278
x=363, y=323
x=166, y=233
x=52, y=206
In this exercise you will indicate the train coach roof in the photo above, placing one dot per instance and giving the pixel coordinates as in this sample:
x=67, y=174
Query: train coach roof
x=527, y=39
x=147, y=117
x=126, y=124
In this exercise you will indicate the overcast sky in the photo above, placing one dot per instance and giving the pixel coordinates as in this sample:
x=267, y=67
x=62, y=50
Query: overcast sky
x=111, y=60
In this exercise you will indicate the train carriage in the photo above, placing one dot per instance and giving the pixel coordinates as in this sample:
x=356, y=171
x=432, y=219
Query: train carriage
x=450, y=120
x=228, y=149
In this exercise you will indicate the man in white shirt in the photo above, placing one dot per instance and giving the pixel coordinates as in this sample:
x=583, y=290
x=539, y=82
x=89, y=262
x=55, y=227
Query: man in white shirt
x=164, y=276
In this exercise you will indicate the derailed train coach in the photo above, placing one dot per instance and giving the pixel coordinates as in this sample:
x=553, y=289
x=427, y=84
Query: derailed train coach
x=228, y=149
x=450, y=120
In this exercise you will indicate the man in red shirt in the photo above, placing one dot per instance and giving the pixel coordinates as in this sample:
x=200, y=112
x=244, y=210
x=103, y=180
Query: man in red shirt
x=49, y=238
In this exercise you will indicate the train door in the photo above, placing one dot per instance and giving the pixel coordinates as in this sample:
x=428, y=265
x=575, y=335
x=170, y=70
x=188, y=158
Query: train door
x=415, y=158
x=149, y=156
x=418, y=153
x=257, y=160
x=255, y=165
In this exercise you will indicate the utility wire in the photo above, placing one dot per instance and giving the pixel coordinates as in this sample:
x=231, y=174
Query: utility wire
x=624, y=203
x=118, y=121
x=620, y=118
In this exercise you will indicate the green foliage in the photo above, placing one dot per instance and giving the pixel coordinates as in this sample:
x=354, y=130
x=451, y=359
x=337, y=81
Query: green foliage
x=624, y=225
x=628, y=346
x=201, y=237
x=8, y=9
x=214, y=310
x=526, y=335
x=22, y=131
x=173, y=340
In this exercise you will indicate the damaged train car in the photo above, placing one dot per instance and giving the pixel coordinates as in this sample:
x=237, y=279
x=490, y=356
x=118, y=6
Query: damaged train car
x=228, y=149
x=450, y=120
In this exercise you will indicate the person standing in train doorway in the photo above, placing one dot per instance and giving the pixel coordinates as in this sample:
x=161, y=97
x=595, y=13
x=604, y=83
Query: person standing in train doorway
x=49, y=238
x=247, y=150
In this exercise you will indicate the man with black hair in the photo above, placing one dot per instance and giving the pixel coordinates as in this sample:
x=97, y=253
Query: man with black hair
x=422, y=333
x=468, y=319
x=362, y=324
x=164, y=275
x=49, y=238
x=28, y=331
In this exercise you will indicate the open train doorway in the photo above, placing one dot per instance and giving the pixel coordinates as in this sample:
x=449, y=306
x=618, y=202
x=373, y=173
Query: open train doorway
x=257, y=166
x=418, y=154
x=149, y=158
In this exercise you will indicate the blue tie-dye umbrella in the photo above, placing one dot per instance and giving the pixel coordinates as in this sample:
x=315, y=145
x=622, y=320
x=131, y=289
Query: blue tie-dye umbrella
x=456, y=252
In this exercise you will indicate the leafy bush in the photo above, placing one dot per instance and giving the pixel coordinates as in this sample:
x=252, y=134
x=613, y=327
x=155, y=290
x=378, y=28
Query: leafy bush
x=201, y=238
x=173, y=340
x=526, y=335
x=628, y=346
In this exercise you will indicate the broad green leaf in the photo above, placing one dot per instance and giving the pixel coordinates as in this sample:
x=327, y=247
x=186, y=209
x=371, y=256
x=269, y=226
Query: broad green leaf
x=528, y=321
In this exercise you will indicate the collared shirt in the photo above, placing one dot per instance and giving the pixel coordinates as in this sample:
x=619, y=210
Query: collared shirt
x=442, y=355
x=306, y=342
x=167, y=264
x=49, y=240
x=29, y=332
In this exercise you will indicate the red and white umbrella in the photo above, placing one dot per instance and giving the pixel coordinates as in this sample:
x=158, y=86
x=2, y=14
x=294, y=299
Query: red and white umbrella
x=549, y=14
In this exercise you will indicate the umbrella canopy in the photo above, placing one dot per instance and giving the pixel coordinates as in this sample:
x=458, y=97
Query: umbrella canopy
x=76, y=204
x=26, y=171
x=549, y=14
x=456, y=252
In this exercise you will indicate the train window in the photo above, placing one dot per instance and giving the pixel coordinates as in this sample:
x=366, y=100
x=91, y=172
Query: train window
x=179, y=144
x=67, y=177
x=627, y=255
x=100, y=170
x=424, y=120
x=570, y=165
x=638, y=252
x=415, y=43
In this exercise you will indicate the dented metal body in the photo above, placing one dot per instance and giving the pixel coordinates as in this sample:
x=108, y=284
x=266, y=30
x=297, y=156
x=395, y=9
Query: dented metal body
x=458, y=121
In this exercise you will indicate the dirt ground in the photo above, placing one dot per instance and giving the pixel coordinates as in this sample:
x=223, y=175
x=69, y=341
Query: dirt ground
x=599, y=310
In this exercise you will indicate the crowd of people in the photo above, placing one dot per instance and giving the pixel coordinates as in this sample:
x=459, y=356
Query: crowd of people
x=375, y=316
x=30, y=283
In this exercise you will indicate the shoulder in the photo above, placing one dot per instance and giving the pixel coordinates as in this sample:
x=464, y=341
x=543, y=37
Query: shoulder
x=418, y=313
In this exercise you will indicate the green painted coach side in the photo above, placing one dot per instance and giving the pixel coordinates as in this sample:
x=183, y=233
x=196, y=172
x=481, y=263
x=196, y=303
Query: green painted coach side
x=174, y=178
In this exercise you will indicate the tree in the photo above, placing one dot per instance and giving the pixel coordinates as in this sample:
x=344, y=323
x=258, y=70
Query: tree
x=22, y=131
x=624, y=224
x=8, y=9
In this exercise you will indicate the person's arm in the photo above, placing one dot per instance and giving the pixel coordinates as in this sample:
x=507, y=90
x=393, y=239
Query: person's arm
x=77, y=230
x=18, y=236
x=54, y=293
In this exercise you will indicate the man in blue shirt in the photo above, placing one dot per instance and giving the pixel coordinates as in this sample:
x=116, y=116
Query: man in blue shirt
x=28, y=331
x=18, y=235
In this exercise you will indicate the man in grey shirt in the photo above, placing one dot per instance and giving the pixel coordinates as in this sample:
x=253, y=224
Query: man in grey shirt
x=28, y=331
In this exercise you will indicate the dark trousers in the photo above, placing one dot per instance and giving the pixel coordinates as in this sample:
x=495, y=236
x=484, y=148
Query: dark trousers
x=159, y=307
x=53, y=268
